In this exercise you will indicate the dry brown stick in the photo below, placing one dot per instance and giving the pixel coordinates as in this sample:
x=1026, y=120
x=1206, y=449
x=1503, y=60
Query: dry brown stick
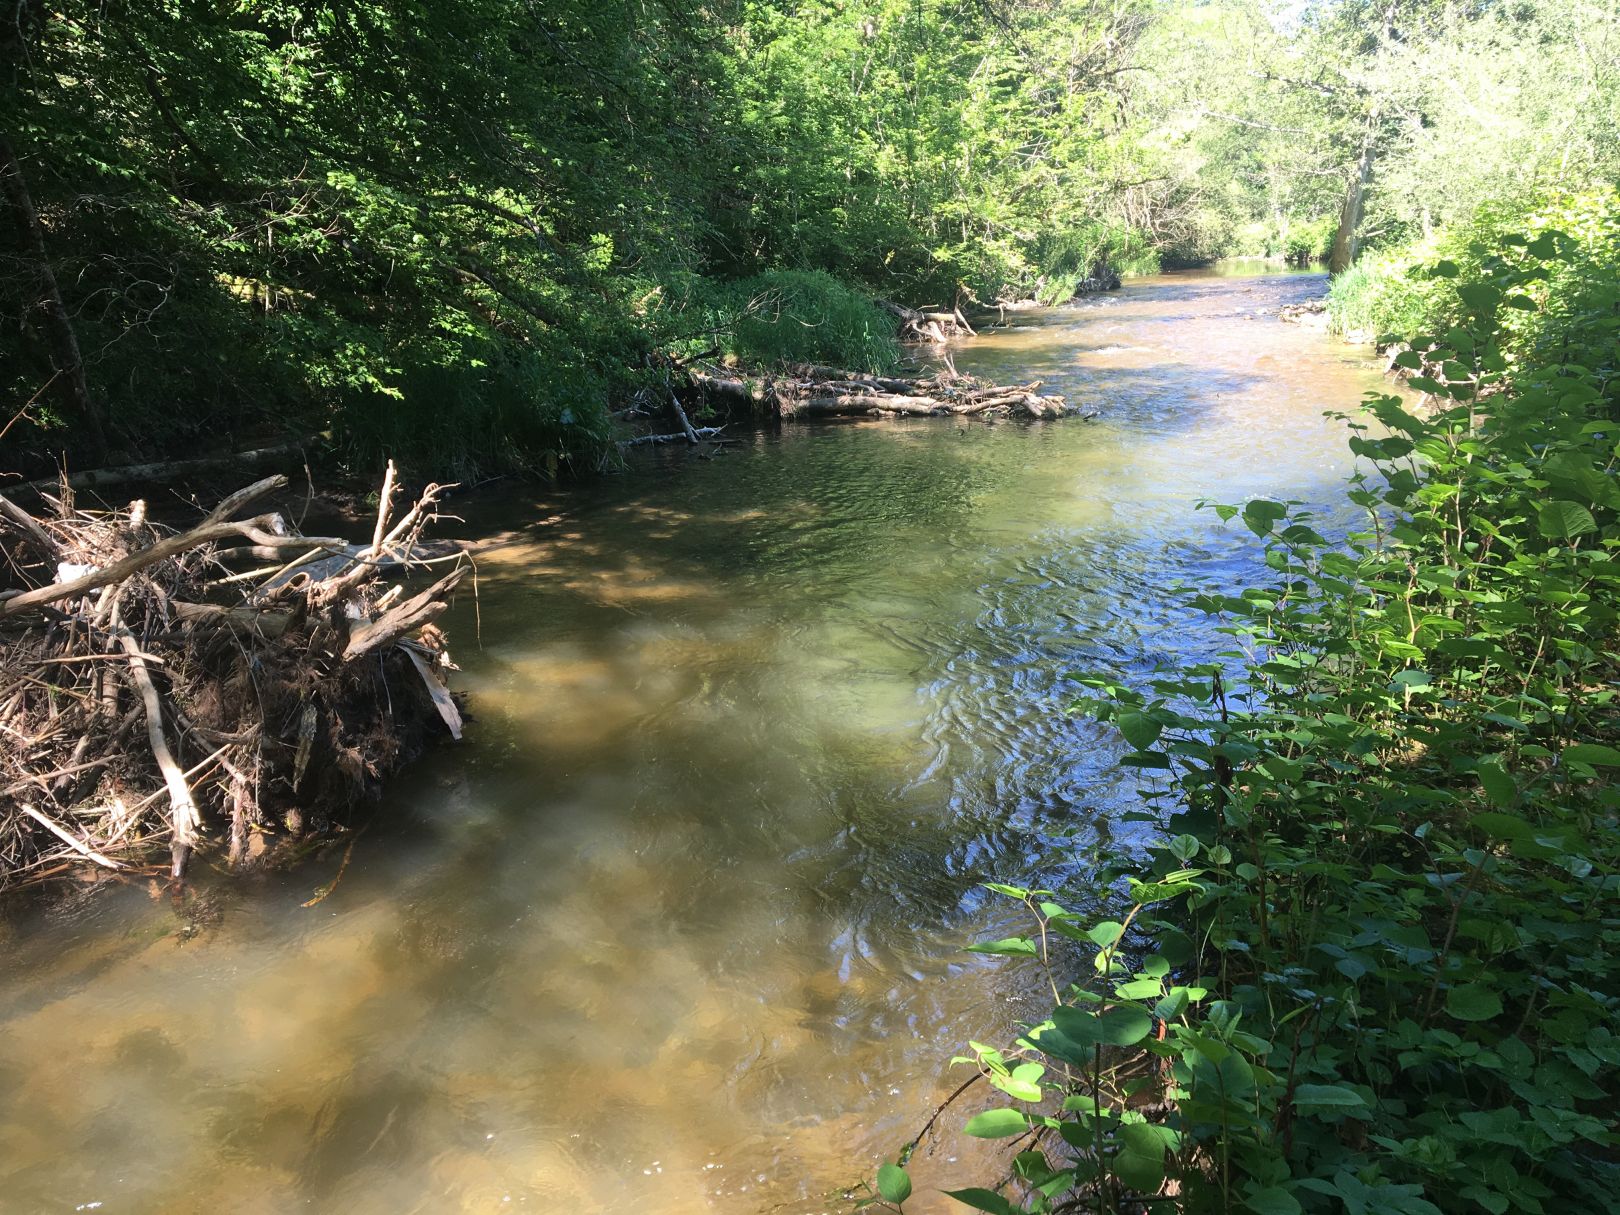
x=218, y=756
x=430, y=495
x=440, y=695
x=264, y=621
x=99, y=478
x=82, y=849
x=182, y=804
x=30, y=525
x=686, y=424
x=382, y=511
x=65, y=659
x=402, y=618
x=135, y=562
x=169, y=546
x=239, y=829
x=252, y=493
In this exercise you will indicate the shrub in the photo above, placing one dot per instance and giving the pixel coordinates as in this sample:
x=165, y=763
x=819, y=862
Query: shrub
x=1393, y=293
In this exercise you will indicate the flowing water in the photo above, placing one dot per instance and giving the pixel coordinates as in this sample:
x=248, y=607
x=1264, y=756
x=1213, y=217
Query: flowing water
x=679, y=927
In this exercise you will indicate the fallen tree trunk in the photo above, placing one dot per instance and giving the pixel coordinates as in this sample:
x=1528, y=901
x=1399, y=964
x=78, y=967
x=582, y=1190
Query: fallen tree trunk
x=170, y=470
x=826, y=392
x=809, y=390
x=935, y=328
x=702, y=433
x=859, y=403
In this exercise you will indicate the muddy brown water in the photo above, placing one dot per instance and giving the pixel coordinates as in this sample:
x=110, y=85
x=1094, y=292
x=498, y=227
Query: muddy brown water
x=679, y=927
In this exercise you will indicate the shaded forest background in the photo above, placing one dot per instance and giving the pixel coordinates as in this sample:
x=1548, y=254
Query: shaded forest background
x=463, y=232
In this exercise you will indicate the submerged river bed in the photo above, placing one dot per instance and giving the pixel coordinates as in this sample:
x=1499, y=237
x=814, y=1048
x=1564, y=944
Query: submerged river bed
x=679, y=927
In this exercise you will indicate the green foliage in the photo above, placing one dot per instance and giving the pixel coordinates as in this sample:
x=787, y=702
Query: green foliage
x=1373, y=966
x=1411, y=290
x=322, y=217
x=1261, y=115
x=1295, y=241
x=804, y=316
x=1379, y=297
x=458, y=231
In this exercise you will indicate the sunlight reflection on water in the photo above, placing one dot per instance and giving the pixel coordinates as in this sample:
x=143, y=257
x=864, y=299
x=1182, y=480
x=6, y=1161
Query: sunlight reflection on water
x=679, y=928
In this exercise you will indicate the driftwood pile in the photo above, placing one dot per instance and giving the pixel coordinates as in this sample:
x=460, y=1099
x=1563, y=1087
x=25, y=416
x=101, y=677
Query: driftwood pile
x=161, y=686
x=824, y=392
x=933, y=326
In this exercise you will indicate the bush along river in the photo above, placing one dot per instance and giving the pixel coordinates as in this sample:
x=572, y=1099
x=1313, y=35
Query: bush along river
x=680, y=926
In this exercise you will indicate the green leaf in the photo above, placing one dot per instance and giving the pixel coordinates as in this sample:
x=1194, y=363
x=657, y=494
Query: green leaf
x=983, y=1200
x=1173, y=1005
x=1122, y=1025
x=1596, y=754
x=1013, y=947
x=1274, y=1200
x=1012, y=892
x=1473, y=1002
x=1481, y=297
x=1563, y=520
x=1184, y=847
x=1499, y=786
x=1140, y=989
x=997, y=1124
x=893, y=1183
x=1125, y=1025
x=1335, y=1095
x=1140, y=730
x=1140, y=1163
x=1016, y=1088
x=1262, y=515
x=1105, y=934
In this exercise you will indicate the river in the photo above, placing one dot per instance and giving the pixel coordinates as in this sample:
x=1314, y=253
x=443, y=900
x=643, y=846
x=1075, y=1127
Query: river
x=679, y=927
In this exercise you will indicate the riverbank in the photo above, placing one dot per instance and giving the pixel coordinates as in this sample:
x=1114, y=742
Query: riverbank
x=1369, y=962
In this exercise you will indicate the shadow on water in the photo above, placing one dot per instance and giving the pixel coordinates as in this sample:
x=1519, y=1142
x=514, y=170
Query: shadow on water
x=679, y=927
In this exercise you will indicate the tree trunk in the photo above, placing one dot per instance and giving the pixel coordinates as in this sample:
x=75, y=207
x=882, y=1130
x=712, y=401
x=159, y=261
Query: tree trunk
x=58, y=323
x=1345, y=240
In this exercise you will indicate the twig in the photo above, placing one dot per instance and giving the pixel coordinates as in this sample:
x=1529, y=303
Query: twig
x=169, y=546
x=83, y=850
x=242, y=497
x=184, y=806
x=382, y=511
x=30, y=525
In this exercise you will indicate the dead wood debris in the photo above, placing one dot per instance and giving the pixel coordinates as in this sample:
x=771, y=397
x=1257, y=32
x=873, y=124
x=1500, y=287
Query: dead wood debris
x=153, y=691
x=819, y=392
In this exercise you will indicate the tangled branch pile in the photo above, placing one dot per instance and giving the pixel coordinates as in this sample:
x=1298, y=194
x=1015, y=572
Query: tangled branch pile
x=822, y=392
x=151, y=688
x=934, y=326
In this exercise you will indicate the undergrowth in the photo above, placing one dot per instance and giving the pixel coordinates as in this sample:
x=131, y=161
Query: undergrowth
x=1390, y=294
